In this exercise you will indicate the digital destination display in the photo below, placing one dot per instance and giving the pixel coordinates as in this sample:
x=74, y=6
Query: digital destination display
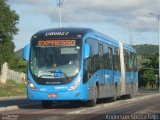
x=56, y=43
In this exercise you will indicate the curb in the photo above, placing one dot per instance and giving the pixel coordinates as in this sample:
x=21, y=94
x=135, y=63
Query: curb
x=13, y=97
x=14, y=107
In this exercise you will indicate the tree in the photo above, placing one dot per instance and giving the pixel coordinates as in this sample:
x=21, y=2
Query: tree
x=153, y=61
x=149, y=70
x=19, y=65
x=150, y=76
x=8, y=21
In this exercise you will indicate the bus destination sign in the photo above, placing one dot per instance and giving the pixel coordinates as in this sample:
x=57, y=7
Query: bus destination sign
x=41, y=43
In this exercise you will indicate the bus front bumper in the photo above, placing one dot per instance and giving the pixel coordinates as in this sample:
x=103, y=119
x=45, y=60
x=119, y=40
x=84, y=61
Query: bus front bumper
x=65, y=95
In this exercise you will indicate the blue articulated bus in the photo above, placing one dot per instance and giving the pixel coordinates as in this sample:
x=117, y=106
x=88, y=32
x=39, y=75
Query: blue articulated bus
x=78, y=64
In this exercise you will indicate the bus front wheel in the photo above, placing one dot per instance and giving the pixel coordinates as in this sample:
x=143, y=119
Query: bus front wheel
x=92, y=103
x=46, y=104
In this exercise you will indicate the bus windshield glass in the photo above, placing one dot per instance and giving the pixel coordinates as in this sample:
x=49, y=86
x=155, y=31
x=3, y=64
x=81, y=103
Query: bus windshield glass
x=55, y=58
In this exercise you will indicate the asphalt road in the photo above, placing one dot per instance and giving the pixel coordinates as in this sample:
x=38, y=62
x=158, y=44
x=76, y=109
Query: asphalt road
x=20, y=101
x=133, y=108
x=142, y=109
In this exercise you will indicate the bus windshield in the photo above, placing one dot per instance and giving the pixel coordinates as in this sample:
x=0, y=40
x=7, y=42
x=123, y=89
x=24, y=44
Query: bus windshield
x=55, y=58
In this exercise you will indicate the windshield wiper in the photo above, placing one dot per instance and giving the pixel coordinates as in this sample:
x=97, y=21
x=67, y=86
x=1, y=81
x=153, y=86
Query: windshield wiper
x=45, y=75
x=66, y=75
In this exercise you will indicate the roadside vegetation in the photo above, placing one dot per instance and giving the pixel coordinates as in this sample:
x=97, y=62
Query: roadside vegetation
x=148, y=71
x=8, y=21
x=11, y=88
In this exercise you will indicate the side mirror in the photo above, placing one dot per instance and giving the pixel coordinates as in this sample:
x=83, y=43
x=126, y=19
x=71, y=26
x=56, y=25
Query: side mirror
x=87, y=51
x=26, y=52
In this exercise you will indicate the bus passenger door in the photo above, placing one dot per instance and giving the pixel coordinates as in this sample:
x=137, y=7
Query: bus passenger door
x=100, y=52
x=110, y=66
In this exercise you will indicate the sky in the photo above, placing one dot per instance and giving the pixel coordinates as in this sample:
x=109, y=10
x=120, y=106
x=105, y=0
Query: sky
x=127, y=21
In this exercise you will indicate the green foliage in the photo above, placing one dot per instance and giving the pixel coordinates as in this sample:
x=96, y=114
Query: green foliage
x=12, y=89
x=8, y=21
x=148, y=69
x=149, y=75
x=19, y=65
x=146, y=49
x=148, y=62
x=152, y=62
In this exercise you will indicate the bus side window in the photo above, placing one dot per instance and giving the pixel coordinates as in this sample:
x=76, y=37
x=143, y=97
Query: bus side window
x=126, y=60
x=100, y=52
x=134, y=62
x=116, y=59
x=88, y=63
x=131, y=61
x=105, y=57
x=110, y=63
x=95, y=55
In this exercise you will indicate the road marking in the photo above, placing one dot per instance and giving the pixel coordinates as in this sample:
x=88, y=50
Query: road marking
x=43, y=111
x=14, y=107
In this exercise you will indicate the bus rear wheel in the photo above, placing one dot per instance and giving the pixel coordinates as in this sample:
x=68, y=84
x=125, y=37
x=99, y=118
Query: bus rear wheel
x=46, y=104
x=92, y=103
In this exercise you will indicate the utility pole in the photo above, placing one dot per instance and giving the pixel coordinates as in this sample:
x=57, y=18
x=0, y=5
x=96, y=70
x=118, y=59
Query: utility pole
x=59, y=4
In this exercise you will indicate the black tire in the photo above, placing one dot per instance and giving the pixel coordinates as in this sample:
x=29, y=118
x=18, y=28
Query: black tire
x=124, y=97
x=128, y=96
x=46, y=104
x=104, y=100
x=112, y=99
x=92, y=103
x=116, y=92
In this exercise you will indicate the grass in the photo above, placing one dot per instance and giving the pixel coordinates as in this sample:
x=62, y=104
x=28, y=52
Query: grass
x=11, y=88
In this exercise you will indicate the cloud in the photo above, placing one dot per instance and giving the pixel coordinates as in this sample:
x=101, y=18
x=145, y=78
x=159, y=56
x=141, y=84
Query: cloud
x=129, y=14
x=27, y=1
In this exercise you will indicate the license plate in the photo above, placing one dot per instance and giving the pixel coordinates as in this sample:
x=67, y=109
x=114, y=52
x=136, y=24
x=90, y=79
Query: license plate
x=52, y=95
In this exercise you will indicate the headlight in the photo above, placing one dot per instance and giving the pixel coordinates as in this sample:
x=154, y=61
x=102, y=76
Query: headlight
x=31, y=85
x=75, y=85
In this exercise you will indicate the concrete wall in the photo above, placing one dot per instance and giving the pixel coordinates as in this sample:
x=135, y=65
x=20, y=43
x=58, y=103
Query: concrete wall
x=7, y=74
x=17, y=76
